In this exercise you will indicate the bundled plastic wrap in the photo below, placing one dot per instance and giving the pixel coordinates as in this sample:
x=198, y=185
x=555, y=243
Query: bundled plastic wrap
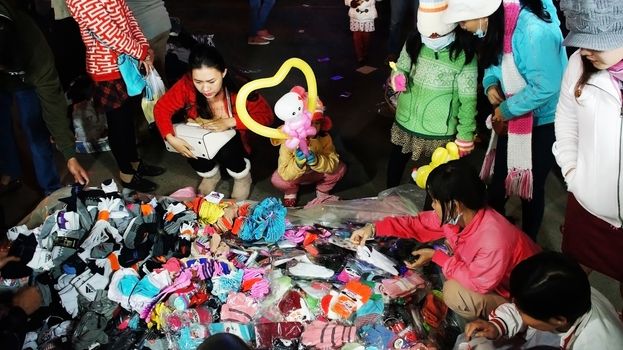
x=267, y=333
x=397, y=201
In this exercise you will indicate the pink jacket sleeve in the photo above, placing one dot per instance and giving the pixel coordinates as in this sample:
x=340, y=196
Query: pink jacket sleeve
x=482, y=274
x=424, y=227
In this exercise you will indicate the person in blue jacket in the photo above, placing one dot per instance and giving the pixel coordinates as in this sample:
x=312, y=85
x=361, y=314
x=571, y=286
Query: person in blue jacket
x=524, y=60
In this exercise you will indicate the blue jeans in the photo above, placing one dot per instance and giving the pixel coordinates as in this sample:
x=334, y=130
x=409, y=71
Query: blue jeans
x=259, y=11
x=37, y=137
x=399, y=10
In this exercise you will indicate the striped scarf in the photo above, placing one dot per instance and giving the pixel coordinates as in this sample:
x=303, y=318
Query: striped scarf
x=519, y=154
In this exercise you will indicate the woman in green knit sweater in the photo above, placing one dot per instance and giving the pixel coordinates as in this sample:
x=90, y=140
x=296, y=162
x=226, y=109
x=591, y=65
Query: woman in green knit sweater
x=438, y=104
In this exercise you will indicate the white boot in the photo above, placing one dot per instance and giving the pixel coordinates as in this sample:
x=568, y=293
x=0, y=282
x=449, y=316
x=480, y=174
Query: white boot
x=210, y=180
x=242, y=182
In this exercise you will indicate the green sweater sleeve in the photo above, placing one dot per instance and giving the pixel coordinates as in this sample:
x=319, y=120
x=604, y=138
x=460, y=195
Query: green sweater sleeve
x=467, y=85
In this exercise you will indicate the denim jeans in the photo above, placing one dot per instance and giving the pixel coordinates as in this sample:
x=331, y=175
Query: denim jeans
x=37, y=137
x=259, y=11
x=399, y=10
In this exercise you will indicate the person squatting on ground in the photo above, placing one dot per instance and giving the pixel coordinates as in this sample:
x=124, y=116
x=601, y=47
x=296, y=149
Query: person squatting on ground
x=551, y=293
x=523, y=86
x=28, y=76
x=362, y=14
x=109, y=29
x=589, y=136
x=258, y=15
x=321, y=167
x=431, y=111
x=207, y=94
x=482, y=247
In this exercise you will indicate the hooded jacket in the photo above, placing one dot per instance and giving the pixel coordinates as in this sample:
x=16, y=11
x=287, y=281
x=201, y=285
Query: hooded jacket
x=37, y=62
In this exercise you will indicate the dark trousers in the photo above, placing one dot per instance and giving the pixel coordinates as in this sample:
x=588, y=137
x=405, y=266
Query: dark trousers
x=542, y=161
x=361, y=41
x=396, y=167
x=231, y=156
x=122, y=134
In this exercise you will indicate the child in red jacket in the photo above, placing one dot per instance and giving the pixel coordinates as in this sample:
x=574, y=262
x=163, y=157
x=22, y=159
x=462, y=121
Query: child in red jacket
x=208, y=94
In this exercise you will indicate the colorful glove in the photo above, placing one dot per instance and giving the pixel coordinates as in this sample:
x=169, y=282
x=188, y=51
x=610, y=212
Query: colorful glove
x=322, y=335
x=239, y=308
x=398, y=82
x=465, y=147
x=299, y=158
x=378, y=336
x=311, y=159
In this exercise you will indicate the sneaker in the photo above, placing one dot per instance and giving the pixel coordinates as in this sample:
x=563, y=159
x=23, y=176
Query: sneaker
x=257, y=40
x=149, y=170
x=139, y=184
x=264, y=34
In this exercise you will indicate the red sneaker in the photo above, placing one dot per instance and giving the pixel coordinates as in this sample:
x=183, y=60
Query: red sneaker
x=264, y=34
x=289, y=201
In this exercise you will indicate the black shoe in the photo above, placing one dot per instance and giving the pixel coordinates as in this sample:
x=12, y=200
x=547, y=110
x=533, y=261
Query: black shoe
x=149, y=170
x=139, y=184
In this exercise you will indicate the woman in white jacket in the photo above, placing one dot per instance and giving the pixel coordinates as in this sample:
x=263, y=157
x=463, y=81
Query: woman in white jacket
x=589, y=141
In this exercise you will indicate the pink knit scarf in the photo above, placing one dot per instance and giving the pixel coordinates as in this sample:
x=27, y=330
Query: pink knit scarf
x=519, y=153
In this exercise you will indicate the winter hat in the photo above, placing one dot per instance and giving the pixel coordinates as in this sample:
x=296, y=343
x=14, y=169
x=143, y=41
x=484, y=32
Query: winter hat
x=464, y=10
x=429, y=18
x=593, y=24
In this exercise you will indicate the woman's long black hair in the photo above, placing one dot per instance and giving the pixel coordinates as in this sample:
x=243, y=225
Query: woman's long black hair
x=208, y=56
x=492, y=45
x=464, y=42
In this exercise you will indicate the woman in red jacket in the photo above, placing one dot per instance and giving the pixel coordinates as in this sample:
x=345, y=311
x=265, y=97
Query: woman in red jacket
x=208, y=94
x=481, y=247
x=109, y=29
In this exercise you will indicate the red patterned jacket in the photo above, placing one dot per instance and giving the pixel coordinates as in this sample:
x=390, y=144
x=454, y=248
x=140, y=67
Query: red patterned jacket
x=114, y=24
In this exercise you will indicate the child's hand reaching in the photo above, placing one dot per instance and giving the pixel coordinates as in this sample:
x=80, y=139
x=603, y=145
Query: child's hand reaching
x=311, y=159
x=299, y=158
x=481, y=328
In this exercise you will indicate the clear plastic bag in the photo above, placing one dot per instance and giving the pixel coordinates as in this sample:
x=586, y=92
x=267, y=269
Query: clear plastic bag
x=397, y=201
x=153, y=91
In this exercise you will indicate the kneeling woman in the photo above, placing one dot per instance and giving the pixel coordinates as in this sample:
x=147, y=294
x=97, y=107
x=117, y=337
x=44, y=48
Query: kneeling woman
x=482, y=246
x=208, y=94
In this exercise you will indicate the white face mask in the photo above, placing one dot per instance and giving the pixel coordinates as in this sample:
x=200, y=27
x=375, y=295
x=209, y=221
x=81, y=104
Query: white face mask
x=437, y=44
x=480, y=33
x=454, y=220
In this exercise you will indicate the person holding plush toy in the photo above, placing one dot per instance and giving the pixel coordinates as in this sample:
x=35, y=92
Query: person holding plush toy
x=432, y=111
x=321, y=165
x=207, y=94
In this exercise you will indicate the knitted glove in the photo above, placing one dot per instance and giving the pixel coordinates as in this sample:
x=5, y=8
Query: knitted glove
x=465, y=147
x=403, y=286
x=239, y=308
x=299, y=158
x=322, y=335
x=378, y=336
x=398, y=82
x=311, y=159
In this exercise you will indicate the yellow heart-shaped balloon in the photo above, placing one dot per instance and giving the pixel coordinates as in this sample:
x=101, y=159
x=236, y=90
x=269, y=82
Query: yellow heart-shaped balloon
x=241, y=98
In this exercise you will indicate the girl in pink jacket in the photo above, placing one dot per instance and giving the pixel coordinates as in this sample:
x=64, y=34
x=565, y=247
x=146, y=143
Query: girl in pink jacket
x=481, y=246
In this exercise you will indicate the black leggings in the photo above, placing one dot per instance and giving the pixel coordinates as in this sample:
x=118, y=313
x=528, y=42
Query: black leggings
x=231, y=156
x=396, y=165
x=542, y=161
x=122, y=135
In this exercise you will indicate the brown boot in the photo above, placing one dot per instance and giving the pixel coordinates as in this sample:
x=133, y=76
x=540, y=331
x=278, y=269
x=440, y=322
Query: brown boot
x=242, y=182
x=210, y=180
